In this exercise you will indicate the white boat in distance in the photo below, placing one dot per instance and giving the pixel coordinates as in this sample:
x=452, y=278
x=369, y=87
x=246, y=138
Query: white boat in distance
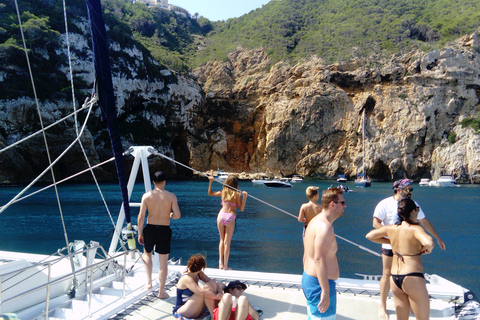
x=296, y=178
x=260, y=181
x=221, y=175
x=341, y=178
x=279, y=183
x=444, y=181
x=424, y=182
x=363, y=180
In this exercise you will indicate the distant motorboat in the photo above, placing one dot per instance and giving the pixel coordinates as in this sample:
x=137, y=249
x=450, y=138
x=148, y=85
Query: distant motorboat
x=363, y=181
x=279, y=183
x=260, y=181
x=444, y=181
x=424, y=182
x=341, y=178
x=221, y=175
x=296, y=178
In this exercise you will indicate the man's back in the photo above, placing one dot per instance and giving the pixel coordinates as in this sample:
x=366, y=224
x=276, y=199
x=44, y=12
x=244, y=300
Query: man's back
x=311, y=209
x=159, y=204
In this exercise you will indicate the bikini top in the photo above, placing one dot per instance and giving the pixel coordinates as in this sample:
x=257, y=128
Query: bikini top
x=182, y=296
x=229, y=203
x=400, y=256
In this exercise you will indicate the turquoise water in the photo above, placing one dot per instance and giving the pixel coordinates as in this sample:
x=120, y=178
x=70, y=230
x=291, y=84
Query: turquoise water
x=265, y=238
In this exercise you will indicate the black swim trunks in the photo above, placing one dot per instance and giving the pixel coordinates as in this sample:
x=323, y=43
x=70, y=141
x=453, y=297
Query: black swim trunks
x=387, y=252
x=158, y=236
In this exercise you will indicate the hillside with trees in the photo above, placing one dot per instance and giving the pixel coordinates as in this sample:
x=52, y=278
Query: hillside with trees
x=337, y=30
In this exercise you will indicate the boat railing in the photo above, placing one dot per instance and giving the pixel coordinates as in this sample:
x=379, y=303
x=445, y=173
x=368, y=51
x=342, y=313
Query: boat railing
x=88, y=272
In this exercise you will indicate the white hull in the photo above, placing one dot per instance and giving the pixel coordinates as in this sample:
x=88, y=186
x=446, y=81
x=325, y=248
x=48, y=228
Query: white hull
x=109, y=294
x=278, y=295
x=277, y=184
x=444, y=181
x=424, y=182
x=363, y=183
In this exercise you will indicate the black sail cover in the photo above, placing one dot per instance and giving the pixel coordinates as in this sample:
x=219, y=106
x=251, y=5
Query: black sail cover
x=105, y=93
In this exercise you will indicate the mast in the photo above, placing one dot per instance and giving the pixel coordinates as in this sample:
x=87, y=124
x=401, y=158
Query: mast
x=104, y=90
x=363, y=137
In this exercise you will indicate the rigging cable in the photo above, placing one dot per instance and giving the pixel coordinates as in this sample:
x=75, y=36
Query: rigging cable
x=155, y=152
x=75, y=117
x=41, y=120
x=50, y=167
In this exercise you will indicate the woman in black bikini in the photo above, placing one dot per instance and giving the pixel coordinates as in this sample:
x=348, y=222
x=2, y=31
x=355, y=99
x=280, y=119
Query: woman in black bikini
x=409, y=241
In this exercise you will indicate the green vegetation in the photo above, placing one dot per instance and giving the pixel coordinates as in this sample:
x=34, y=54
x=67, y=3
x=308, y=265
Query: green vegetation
x=452, y=137
x=291, y=30
x=471, y=122
x=341, y=29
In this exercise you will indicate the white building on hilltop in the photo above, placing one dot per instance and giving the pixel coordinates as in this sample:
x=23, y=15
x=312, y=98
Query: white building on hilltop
x=164, y=4
x=160, y=3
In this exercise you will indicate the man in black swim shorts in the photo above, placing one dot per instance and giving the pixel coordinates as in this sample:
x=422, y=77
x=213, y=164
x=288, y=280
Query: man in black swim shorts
x=161, y=206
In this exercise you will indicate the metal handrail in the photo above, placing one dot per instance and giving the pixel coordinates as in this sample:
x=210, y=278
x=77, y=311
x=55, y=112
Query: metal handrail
x=86, y=270
x=53, y=261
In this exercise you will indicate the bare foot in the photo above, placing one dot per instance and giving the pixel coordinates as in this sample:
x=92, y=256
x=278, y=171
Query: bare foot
x=220, y=265
x=227, y=268
x=163, y=295
x=148, y=286
x=382, y=313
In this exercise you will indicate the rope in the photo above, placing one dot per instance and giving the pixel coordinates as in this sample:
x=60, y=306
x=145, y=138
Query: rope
x=85, y=106
x=47, y=169
x=155, y=152
x=47, y=149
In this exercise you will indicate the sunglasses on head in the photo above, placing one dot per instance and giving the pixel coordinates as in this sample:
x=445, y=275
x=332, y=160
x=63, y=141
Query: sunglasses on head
x=408, y=189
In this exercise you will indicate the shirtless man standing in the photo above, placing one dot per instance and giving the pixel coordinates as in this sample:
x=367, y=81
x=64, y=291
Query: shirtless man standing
x=161, y=205
x=311, y=208
x=320, y=266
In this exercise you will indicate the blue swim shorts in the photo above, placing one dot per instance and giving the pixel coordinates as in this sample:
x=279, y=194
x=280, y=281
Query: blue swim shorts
x=311, y=290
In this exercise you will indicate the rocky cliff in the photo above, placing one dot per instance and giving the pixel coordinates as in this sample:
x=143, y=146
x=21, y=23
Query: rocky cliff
x=153, y=105
x=249, y=115
x=306, y=118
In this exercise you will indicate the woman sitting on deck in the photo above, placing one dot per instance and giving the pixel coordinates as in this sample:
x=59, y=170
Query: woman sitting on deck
x=409, y=240
x=192, y=298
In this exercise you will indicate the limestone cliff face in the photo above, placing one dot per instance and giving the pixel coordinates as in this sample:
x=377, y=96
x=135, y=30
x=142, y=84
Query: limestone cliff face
x=154, y=107
x=306, y=118
x=249, y=115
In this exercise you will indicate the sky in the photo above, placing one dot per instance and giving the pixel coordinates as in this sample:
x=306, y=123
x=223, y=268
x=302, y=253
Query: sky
x=215, y=10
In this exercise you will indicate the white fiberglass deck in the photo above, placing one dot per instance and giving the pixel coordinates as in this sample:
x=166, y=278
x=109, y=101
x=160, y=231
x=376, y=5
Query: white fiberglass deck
x=286, y=303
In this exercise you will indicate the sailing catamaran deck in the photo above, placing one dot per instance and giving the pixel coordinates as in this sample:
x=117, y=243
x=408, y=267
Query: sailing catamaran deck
x=280, y=297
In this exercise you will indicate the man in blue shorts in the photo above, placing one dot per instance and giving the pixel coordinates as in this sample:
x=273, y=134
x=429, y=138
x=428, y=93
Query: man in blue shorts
x=320, y=265
x=161, y=205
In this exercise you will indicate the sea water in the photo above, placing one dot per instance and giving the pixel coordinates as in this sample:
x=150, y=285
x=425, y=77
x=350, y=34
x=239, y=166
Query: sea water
x=267, y=235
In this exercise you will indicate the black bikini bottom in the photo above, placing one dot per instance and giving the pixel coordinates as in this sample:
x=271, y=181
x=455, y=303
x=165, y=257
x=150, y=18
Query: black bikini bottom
x=398, y=278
